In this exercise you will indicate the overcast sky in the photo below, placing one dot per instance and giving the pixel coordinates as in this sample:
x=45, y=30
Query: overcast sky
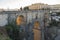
x=22, y=3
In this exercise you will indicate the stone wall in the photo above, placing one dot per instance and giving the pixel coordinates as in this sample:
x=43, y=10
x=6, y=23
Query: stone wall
x=8, y=16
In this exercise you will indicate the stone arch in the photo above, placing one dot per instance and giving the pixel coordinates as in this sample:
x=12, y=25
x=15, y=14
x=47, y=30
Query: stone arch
x=19, y=19
x=37, y=31
x=36, y=24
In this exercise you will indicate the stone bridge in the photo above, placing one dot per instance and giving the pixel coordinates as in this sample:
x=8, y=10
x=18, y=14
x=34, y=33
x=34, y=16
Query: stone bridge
x=9, y=16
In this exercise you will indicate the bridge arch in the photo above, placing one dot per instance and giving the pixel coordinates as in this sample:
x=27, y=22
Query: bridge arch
x=20, y=19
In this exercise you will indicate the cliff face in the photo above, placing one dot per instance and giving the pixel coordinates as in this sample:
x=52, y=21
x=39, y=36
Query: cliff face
x=3, y=34
x=3, y=31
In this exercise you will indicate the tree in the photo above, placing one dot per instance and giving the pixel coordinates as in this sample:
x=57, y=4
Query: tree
x=26, y=8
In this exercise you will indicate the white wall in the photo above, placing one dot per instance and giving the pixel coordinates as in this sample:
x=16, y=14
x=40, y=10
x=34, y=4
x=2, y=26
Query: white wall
x=3, y=19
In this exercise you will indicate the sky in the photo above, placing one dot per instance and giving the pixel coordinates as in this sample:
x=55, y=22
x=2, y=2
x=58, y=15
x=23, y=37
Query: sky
x=12, y=4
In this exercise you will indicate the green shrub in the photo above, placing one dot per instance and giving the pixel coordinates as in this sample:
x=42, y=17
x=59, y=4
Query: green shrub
x=8, y=38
